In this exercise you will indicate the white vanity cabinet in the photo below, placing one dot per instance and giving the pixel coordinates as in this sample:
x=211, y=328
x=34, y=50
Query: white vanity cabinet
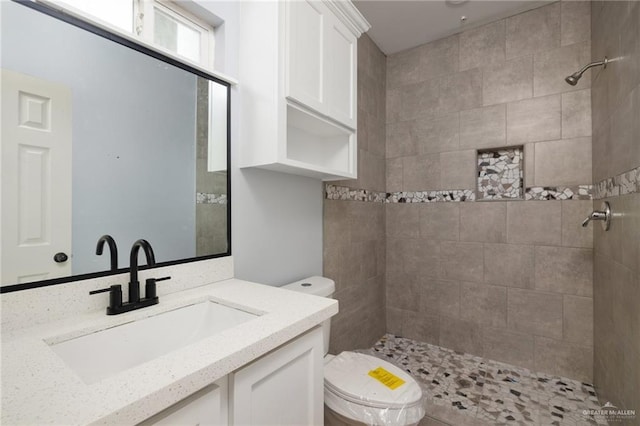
x=207, y=407
x=283, y=387
x=298, y=82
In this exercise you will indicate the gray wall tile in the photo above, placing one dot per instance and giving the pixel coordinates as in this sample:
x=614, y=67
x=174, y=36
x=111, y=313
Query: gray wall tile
x=402, y=221
x=404, y=68
x=483, y=127
x=509, y=265
x=578, y=320
x=421, y=326
x=623, y=146
x=457, y=170
x=483, y=222
x=440, y=221
x=563, y=162
x=551, y=67
x=506, y=346
x=399, y=140
x=508, y=81
x=440, y=297
x=460, y=335
x=417, y=256
x=534, y=222
x=419, y=100
x=529, y=153
x=557, y=357
x=484, y=304
x=576, y=114
x=439, y=58
x=459, y=91
x=482, y=45
x=437, y=134
x=461, y=261
x=573, y=233
x=535, y=312
x=393, y=105
x=403, y=291
x=564, y=270
x=394, y=320
x=394, y=172
x=575, y=25
x=421, y=172
x=533, y=31
x=532, y=120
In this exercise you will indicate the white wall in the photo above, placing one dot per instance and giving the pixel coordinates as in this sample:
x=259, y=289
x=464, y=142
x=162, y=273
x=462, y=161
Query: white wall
x=276, y=217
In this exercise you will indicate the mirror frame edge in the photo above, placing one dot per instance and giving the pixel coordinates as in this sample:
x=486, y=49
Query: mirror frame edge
x=102, y=32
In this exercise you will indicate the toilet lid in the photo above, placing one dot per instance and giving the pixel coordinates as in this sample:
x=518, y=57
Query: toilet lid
x=370, y=381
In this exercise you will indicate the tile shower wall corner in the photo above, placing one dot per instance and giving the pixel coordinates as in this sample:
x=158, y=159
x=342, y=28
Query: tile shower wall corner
x=354, y=232
x=474, y=276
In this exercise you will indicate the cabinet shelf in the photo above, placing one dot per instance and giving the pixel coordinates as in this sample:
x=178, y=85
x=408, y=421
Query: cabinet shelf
x=319, y=144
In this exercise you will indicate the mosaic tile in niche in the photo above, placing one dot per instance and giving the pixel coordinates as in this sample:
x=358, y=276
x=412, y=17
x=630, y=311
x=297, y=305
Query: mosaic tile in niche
x=500, y=174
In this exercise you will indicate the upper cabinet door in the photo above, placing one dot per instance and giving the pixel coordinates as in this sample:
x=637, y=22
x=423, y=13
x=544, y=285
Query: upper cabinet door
x=341, y=73
x=306, y=28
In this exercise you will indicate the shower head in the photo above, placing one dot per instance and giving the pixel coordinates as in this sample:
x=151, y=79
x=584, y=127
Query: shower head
x=573, y=78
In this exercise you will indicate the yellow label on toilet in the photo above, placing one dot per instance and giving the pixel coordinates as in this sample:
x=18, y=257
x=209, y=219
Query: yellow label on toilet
x=389, y=380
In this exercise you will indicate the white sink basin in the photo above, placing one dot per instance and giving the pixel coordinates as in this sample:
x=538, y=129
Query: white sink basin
x=107, y=352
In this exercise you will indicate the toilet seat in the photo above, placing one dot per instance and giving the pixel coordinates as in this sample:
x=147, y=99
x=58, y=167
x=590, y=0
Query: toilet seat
x=352, y=392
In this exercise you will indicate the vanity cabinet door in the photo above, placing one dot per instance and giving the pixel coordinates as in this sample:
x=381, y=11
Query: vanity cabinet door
x=284, y=387
x=207, y=407
x=305, y=39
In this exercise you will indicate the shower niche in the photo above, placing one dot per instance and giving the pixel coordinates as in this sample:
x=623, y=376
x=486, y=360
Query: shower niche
x=500, y=173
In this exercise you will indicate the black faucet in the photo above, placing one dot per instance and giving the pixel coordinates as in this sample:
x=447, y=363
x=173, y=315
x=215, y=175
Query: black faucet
x=113, y=250
x=134, y=285
x=135, y=302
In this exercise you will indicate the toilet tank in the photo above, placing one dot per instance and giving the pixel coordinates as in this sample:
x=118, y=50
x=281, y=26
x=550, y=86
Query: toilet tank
x=318, y=286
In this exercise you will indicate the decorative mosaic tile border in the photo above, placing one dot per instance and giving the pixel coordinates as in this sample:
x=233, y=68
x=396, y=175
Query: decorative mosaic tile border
x=536, y=193
x=457, y=195
x=625, y=183
x=542, y=193
x=204, y=198
x=344, y=193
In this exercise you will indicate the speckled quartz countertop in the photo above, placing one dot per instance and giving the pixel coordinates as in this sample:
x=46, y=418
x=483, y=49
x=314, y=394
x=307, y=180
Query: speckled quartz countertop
x=39, y=388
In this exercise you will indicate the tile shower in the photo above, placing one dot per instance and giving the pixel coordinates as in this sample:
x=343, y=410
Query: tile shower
x=417, y=250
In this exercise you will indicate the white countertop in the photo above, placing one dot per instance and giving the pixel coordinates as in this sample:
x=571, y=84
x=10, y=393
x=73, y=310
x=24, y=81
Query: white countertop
x=39, y=388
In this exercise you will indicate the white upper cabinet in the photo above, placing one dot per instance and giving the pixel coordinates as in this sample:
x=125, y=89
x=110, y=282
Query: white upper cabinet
x=306, y=57
x=340, y=73
x=321, y=61
x=298, y=82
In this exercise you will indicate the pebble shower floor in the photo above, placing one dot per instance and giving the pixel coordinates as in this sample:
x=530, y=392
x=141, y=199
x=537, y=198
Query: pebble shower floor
x=491, y=391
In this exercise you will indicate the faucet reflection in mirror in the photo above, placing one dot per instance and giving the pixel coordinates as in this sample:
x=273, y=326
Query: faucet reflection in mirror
x=113, y=250
x=116, y=306
x=145, y=133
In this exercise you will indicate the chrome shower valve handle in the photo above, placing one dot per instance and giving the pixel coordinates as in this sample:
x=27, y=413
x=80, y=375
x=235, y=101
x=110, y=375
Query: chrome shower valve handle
x=603, y=215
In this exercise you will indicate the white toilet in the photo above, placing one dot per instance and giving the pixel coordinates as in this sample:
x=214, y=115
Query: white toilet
x=362, y=389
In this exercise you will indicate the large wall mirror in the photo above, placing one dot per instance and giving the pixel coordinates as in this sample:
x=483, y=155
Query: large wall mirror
x=103, y=136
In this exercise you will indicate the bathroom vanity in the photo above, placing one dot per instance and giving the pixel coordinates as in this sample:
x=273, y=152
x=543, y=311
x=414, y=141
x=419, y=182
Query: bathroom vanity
x=267, y=368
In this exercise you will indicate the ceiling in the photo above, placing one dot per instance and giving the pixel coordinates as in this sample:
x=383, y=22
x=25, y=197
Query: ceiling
x=398, y=25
